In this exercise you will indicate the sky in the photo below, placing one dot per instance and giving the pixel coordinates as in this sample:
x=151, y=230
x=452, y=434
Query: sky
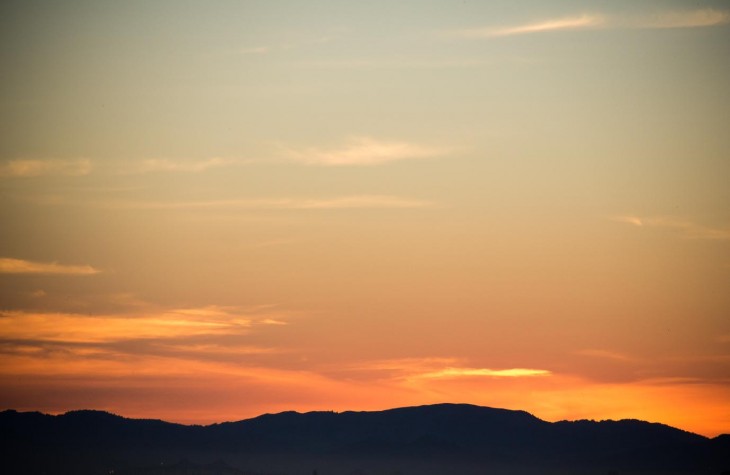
x=217, y=209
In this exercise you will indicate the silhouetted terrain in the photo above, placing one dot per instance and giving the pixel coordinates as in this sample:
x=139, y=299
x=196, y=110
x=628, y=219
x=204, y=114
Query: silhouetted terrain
x=439, y=439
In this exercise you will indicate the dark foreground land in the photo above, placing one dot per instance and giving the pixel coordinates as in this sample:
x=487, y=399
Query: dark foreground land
x=428, y=440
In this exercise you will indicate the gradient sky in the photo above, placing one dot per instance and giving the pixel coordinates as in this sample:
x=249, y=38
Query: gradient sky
x=212, y=210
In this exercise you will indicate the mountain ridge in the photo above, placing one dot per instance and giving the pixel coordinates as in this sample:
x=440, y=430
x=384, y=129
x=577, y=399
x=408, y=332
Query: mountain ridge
x=424, y=439
x=105, y=413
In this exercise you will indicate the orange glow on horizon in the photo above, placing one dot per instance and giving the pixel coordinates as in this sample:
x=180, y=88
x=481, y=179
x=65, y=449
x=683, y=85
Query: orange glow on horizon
x=92, y=372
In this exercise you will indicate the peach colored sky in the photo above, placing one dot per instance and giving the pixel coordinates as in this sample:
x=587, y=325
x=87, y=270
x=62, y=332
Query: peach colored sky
x=220, y=209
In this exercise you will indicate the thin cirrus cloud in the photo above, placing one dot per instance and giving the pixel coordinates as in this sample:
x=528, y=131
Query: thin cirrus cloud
x=52, y=167
x=21, y=266
x=686, y=228
x=363, y=151
x=698, y=18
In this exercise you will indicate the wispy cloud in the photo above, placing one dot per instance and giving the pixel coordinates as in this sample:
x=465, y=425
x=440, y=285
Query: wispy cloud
x=19, y=266
x=211, y=338
x=77, y=328
x=686, y=228
x=415, y=369
x=697, y=18
x=568, y=23
x=183, y=346
x=363, y=151
x=33, y=168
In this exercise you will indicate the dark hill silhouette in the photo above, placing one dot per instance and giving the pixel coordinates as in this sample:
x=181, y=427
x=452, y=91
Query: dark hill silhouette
x=443, y=438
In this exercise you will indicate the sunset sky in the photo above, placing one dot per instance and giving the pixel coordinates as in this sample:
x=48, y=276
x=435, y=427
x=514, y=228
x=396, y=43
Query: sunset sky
x=211, y=210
